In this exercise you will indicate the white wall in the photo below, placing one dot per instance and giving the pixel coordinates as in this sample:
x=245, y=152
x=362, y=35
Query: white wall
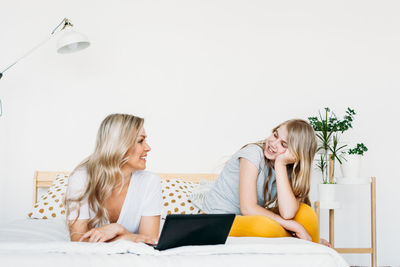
x=208, y=76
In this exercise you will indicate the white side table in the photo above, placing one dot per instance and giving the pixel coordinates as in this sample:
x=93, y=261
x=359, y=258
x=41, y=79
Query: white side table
x=331, y=206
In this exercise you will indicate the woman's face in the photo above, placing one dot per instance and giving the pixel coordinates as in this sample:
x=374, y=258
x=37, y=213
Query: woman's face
x=276, y=144
x=137, y=156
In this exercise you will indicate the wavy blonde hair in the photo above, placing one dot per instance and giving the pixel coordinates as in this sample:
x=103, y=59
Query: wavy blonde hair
x=117, y=133
x=302, y=144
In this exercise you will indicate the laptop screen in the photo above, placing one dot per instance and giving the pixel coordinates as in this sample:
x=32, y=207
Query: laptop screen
x=200, y=229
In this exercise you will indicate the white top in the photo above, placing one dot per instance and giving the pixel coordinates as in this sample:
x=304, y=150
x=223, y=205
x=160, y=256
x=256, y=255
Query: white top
x=143, y=198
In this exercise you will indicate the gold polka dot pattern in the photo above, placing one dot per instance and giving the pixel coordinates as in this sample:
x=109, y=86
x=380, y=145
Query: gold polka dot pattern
x=174, y=193
x=175, y=197
x=49, y=204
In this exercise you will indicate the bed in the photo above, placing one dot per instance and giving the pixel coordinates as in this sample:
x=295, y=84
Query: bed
x=45, y=242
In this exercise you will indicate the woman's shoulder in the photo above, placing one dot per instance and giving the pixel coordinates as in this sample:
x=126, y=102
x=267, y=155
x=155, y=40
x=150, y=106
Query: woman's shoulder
x=146, y=176
x=77, y=181
x=78, y=176
x=251, y=149
x=148, y=182
x=252, y=152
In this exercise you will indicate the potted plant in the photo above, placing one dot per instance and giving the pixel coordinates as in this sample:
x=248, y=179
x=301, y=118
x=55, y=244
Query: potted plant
x=328, y=128
x=351, y=165
x=326, y=189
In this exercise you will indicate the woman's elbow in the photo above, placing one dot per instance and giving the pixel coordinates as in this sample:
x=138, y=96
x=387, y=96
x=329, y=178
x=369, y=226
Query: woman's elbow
x=74, y=237
x=246, y=210
x=288, y=214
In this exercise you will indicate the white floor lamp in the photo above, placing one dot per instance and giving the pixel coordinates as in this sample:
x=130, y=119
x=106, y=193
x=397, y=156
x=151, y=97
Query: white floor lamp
x=69, y=42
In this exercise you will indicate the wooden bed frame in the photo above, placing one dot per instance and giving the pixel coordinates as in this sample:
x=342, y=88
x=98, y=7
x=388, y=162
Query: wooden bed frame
x=44, y=179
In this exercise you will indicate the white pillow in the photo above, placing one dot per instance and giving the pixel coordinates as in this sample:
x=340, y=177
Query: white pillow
x=198, y=194
x=51, y=204
x=175, y=197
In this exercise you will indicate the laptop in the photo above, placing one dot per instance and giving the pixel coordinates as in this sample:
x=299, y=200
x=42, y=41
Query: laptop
x=200, y=229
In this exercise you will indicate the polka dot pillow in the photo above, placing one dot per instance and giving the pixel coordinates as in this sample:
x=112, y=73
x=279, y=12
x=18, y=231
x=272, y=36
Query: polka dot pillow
x=51, y=204
x=175, y=197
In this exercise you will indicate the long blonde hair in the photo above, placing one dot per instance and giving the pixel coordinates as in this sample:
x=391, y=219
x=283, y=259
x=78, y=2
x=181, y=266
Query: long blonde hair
x=302, y=144
x=117, y=133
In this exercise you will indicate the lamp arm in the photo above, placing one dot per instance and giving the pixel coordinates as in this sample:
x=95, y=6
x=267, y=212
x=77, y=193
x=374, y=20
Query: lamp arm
x=65, y=22
x=28, y=53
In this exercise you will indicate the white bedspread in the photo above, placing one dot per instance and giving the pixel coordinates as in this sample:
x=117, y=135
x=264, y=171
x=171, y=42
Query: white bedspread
x=42, y=242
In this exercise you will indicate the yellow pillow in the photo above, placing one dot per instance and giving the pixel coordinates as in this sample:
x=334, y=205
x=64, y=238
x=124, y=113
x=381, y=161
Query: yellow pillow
x=257, y=226
x=263, y=226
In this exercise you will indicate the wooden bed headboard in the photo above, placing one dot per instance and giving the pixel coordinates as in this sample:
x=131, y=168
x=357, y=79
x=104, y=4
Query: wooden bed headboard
x=43, y=179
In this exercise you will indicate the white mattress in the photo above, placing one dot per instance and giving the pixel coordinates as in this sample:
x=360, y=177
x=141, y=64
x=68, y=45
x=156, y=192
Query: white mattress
x=46, y=243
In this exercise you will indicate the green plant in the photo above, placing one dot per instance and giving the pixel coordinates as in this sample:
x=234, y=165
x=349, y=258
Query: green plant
x=330, y=121
x=327, y=127
x=322, y=165
x=321, y=124
x=358, y=150
x=329, y=182
x=335, y=149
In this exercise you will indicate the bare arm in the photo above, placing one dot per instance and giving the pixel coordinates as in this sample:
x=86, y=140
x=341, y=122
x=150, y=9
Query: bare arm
x=148, y=231
x=288, y=204
x=150, y=226
x=79, y=231
x=112, y=232
x=248, y=197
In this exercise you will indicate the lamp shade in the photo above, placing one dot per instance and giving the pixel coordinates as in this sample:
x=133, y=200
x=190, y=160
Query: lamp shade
x=71, y=41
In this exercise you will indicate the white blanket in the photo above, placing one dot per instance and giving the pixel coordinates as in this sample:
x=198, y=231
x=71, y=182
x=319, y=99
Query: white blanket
x=234, y=245
x=13, y=242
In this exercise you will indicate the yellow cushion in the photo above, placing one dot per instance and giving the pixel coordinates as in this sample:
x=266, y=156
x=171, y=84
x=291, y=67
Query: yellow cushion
x=257, y=226
x=308, y=218
x=263, y=226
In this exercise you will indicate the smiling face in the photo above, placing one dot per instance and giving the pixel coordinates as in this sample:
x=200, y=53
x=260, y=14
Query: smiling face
x=277, y=143
x=137, y=154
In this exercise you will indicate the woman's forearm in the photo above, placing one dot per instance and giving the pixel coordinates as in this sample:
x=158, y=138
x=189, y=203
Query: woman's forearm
x=288, y=204
x=122, y=230
x=136, y=238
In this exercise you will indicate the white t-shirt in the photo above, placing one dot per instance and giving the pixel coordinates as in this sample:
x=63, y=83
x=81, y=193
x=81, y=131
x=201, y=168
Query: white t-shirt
x=143, y=198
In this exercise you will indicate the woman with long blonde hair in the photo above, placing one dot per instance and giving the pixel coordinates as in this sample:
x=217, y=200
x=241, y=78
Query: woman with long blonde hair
x=109, y=195
x=267, y=185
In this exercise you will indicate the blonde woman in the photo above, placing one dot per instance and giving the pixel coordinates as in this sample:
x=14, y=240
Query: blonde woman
x=268, y=184
x=110, y=196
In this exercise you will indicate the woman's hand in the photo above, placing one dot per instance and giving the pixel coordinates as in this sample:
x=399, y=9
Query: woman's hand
x=294, y=227
x=302, y=233
x=285, y=158
x=138, y=238
x=103, y=233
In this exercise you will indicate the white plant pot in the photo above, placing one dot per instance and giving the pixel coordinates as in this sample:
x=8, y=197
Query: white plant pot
x=327, y=192
x=351, y=166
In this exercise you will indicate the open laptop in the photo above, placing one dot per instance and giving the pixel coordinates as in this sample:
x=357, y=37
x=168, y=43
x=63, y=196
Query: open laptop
x=200, y=229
